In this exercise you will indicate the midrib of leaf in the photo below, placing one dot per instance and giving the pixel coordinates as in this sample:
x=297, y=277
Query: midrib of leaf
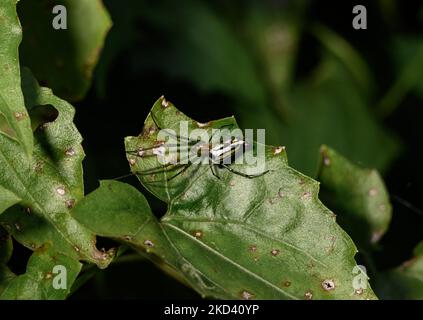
x=178, y=252
x=250, y=228
x=243, y=223
x=18, y=177
x=236, y=264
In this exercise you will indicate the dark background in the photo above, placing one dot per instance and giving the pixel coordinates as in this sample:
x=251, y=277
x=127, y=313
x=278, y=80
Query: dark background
x=148, y=53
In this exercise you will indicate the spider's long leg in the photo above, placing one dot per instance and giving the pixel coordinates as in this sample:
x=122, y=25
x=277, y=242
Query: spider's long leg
x=159, y=169
x=162, y=168
x=212, y=167
x=137, y=152
x=170, y=133
x=180, y=172
x=184, y=168
x=242, y=174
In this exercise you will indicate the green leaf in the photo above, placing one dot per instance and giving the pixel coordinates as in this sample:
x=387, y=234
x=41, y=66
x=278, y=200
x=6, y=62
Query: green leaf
x=6, y=249
x=6, y=276
x=329, y=108
x=11, y=100
x=261, y=238
x=357, y=195
x=37, y=282
x=405, y=281
x=48, y=186
x=63, y=59
x=7, y=199
x=123, y=214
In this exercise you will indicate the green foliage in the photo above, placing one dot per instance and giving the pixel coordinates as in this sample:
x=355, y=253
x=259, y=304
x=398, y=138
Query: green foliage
x=224, y=235
x=405, y=281
x=277, y=242
x=63, y=59
x=11, y=99
x=47, y=186
x=38, y=191
x=358, y=196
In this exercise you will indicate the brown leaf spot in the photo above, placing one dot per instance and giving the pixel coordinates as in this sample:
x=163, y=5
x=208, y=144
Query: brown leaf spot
x=70, y=203
x=164, y=102
x=19, y=115
x=246, y=295
x=252, y=248
x=372, y=192
x=328, y=284
x=308, y=295
x=278, y=150
x=149, y=243
x=60, y=191
x=70, y=152
x=275, y=252
x=198, y=234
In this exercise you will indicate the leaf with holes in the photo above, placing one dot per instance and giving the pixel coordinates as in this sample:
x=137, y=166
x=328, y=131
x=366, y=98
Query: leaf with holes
x=357, y=195
x=45, y=188
x=227, y=235
x=11, y=99
x=64, y=59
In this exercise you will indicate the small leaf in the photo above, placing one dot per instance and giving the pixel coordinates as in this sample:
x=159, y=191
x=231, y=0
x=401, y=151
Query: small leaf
x=357, y=195
x=11, y=99
x=63, y=59
x=267, y=237
x=38, y=281
x=405, y=281
x=122, y=213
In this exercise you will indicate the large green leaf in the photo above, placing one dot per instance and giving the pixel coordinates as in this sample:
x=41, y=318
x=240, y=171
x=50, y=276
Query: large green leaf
x=267, y=237
x=405, y=281
x=357, y=195
x=63, y=59
x=11, y=100
x=48, y=186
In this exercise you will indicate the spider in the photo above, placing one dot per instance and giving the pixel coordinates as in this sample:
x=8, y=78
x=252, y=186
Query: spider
x=219, y=155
